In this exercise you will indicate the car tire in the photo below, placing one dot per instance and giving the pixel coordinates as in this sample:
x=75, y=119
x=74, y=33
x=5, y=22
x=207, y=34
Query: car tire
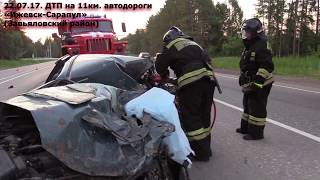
x=184, y=174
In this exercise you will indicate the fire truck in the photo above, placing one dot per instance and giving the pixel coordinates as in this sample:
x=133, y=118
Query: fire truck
x=99, y=38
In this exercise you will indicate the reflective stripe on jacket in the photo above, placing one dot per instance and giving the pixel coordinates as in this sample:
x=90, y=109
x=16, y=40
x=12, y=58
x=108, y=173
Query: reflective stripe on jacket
x=191, y=76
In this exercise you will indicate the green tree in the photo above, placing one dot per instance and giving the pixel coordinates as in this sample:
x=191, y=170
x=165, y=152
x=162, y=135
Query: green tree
x=307, y=37
x=52, y=48
x=289, y=22
x=234, y=19
x=317, y=9
x=13, y=42
x=150, y=39
x=39, y=49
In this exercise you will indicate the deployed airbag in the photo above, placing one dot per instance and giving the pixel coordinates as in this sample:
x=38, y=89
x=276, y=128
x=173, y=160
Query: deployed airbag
x=160, y=105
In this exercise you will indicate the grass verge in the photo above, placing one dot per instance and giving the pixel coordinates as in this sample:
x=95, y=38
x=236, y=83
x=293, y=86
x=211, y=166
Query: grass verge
x=294, y=66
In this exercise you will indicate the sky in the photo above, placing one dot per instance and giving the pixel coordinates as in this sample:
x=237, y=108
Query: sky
x=133, y=19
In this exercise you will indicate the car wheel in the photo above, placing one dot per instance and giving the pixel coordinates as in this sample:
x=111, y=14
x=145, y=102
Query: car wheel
x=160, y=171
x=184, y=174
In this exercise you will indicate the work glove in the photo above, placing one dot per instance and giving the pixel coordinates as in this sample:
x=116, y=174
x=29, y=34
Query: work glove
x=244, y=78
x=259, y=80
x=251, y=88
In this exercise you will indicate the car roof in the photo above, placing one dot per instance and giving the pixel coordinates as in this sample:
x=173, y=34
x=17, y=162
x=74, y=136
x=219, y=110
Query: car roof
x=122, y=59
x=105, y=69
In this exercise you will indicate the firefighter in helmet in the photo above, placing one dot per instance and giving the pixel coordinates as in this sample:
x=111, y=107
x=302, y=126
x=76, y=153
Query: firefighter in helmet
x=191, y=65
x=256, y=79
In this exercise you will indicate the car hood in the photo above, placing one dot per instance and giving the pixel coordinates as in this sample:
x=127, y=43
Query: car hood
x=85, y=127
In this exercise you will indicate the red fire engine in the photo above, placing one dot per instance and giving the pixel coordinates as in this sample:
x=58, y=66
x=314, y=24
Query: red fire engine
x=97, y=39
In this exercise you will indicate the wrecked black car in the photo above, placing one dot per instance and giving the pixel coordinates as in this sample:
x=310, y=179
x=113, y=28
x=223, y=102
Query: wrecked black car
x=70, y=130
x=125, y=72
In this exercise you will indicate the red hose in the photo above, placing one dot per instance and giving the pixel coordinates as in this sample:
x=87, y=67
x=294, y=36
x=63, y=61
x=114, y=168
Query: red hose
x=214, y=110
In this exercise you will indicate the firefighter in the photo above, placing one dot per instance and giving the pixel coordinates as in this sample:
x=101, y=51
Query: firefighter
x=195, y=78
x=256, y=79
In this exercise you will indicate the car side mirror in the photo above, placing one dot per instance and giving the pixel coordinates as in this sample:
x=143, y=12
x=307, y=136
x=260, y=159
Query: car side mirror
x=124, y=29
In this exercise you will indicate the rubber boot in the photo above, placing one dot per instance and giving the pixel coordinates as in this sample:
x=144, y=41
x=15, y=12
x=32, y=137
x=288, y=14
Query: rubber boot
x=243, y=128
x=202, y=149
x=254, y=132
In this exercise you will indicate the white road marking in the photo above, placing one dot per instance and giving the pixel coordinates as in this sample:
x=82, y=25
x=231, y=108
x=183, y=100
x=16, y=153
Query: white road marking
x=305, y=134
x=299, y=89
x=276, y=84
x=21, y=70
x=25, y=74
x=17, y=74
x=226, y=76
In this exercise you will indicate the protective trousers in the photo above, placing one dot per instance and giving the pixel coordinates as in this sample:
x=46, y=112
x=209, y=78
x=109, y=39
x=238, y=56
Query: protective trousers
x=195, y=101
x=255, y=111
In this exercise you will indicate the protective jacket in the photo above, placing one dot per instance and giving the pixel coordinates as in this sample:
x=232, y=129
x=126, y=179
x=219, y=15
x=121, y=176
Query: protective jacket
x=187, y=59
x=195, y=94
x=256, y=79
x=256, y=64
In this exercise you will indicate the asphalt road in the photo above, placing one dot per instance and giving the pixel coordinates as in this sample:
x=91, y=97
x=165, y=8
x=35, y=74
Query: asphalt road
x=19, y=80
x=290, y=150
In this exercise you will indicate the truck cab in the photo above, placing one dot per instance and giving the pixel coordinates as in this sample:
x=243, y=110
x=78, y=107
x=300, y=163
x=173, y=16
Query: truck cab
x=98, y=38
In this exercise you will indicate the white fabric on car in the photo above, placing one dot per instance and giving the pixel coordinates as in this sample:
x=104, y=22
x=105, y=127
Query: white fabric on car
x=160, y=105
